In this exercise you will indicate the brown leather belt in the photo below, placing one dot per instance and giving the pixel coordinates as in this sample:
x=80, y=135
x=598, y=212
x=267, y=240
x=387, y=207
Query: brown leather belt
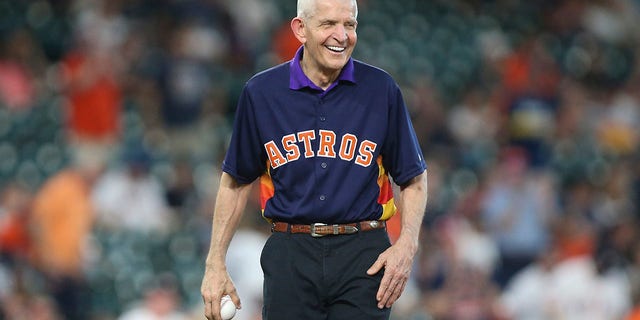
x=321, y=229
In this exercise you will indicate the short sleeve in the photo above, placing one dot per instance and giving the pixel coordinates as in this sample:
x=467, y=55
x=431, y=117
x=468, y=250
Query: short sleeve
x=245, y=159
x=401, y=155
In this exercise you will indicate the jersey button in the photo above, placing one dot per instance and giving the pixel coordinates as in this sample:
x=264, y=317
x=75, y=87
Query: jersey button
x=322, y=197
x=323, y=165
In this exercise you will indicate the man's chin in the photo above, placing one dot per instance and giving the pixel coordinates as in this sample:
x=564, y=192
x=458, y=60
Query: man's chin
x=336, y=64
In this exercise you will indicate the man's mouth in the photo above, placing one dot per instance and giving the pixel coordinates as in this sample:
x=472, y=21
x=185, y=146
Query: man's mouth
x=335, y=49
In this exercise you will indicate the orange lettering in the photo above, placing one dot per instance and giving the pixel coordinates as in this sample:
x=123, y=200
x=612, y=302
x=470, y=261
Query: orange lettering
x=327, y=142
x=275, y=157
x=289, y=144
x=366, y=150
x=348, y=147
x=306, y=137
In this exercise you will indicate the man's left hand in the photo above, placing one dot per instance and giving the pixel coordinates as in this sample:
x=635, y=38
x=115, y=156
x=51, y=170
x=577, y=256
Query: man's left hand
x=397, y=261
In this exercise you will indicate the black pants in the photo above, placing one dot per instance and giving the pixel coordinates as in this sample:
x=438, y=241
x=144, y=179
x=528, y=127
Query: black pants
x=322, y=278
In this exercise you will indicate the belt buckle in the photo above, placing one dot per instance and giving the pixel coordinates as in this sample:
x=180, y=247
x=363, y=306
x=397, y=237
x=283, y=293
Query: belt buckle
x=313, y=230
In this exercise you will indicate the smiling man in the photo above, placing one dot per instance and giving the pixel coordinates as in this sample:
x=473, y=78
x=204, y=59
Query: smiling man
x=324, y=134
x=327, y=30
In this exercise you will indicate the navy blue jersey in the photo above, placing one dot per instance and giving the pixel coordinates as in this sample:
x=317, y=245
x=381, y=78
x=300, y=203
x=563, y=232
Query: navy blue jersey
x=323, y=156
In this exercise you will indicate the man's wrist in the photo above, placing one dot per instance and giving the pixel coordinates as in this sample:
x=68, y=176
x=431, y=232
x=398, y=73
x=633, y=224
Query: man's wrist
x=215, y=262
x=410, y=243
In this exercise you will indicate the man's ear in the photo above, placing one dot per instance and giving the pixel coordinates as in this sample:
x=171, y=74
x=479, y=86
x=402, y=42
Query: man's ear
x=297, y=26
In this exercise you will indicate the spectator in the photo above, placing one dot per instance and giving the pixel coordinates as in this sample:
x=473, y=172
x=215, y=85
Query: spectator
x=578, y=287
x=517, y=210
x=528, y=294
x=618, y=122
x=187, y=83
x=531, y=81
x=92, y=78
x=284, y=44
x=474, y=126
x=130, y=198
x=160, y=302
x=253, y=21
x=22, y=62
x=581, y=290
x=62, y=223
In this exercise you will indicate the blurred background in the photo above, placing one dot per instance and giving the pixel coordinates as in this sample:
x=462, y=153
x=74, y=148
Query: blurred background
x=114, y=118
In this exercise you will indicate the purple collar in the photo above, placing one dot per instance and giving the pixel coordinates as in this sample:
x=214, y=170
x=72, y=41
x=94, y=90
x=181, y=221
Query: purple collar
x=299, y=80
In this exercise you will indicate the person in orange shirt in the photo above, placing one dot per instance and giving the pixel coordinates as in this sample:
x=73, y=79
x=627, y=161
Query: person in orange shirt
x=284, y=44
x=94, y=102
x=61, y=223
x=92, y=78
x=94, y=97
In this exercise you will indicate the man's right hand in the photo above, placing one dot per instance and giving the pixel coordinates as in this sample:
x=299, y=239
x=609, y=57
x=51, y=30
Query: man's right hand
x=217, y=283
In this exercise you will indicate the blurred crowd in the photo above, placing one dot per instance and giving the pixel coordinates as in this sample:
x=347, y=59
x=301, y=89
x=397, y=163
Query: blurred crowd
x=114, y=118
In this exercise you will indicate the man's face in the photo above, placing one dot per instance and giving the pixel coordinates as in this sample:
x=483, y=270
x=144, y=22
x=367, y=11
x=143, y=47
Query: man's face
x=330, y=35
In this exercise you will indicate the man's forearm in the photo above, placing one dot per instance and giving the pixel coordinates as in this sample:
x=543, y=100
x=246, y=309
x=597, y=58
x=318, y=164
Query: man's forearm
x=230, y=203
x=413, y=203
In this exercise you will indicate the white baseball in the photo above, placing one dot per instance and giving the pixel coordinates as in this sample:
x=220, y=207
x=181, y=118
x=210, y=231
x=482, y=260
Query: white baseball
x=227, y=308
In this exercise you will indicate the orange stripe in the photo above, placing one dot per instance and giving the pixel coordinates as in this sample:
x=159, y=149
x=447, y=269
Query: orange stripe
x=385, y=198
x=266, y=189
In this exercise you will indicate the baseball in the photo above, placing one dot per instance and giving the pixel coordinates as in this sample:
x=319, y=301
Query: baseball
x=227, y=308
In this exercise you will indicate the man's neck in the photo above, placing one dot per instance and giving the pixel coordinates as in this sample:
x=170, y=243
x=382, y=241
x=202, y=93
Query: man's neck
x=318, y=77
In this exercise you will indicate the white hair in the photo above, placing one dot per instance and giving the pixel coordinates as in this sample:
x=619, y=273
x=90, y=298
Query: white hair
x=307, y=8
